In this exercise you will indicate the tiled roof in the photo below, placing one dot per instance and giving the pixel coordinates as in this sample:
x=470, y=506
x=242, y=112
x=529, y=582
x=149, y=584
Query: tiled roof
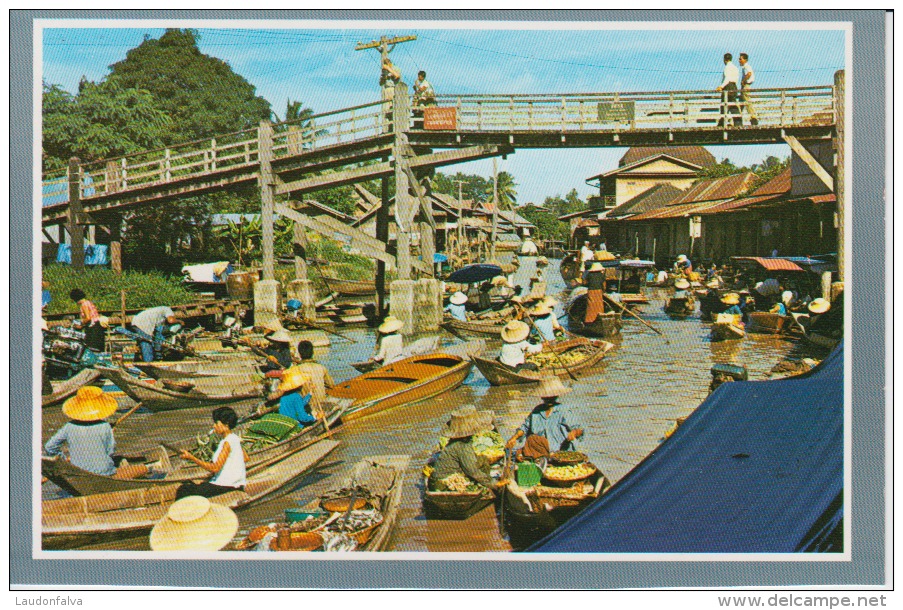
x=693, y=154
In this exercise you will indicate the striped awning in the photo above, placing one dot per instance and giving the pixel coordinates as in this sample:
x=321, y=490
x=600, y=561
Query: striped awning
x=771, y=264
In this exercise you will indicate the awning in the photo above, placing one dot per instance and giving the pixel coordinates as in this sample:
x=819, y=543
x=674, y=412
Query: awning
x=771, y=264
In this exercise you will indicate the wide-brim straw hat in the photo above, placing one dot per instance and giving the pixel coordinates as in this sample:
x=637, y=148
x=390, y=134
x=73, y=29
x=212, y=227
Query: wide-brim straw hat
x=597, y=267
x=515, y=331
x=292, y=378
x=711, y=284
x=542, y=261
x=731, y=298
x=819, y=306
x=390, y=325
x=681, y=258
x=280, y=336
x=459, y=298
x=786, y=297
x=273, y=326
x=89, y=404
x=467, y=422
x=603, y=255
x=500, y=280
x=681, y=284
x=542, y=309
x=194, y=523
x=550, y=387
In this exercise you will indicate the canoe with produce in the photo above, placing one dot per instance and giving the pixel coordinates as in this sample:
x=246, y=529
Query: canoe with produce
x=156, y=396
x=727, y=327
x=407, y=381
x=372, y=491
x=765, y=322
x=680, y=307
x=562, y=358
x=101, y=518
x=266, y=440
x=533, y=512
x=606, y=324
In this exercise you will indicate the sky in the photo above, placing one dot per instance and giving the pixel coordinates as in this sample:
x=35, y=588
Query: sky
x=321, y=68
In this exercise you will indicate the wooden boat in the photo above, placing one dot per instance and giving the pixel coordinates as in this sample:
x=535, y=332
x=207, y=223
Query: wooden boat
x=531, y=513
x=69, y=387
x=501, y=374
x=404, y=382
x=767, y=323
x=680, y=307
x=351, y=288
x=383, y=478
x=571, y=267
x=606, y=324
x=79, y=482
x=491, y=328
x=79, y=521
x=634, y=298
x=157, y=398
x=456, y=505
x=727, y=327
x=466, y=350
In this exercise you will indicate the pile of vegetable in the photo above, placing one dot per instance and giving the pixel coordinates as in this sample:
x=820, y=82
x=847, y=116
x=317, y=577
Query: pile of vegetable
x=569, y=473
x=571, y=357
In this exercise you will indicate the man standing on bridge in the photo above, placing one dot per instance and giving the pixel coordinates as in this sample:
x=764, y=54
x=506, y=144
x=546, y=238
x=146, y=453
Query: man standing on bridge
x=746, y=81
x=730, y=78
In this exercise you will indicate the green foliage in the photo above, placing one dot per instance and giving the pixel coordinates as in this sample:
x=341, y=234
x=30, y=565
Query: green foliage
x=474, y=187
x=104, y=287
x=560, y=206
x=340, y=198
x=547, y=224
x=506, y=191
x=201, y=93
x=769, y=168
x=720, y=170
x=103, y=120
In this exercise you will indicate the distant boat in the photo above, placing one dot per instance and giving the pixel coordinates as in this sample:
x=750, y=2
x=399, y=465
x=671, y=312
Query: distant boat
x=606, y=324
x=351, y=288
x=500, y=374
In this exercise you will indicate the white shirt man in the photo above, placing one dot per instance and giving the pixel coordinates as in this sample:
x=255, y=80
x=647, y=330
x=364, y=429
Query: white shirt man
x=586, y=253
x=729, y=83
x=747, y=78
x=731, y=74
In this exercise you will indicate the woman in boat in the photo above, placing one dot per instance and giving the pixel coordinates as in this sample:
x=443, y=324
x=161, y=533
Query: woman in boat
x=595, y=284
x=550, y=426
x=732, y=300
x=458, y=455
x=89, y=437
x=680, y=289
x=544, y=320
x=783, y=305
x=485, y=299
x=683, y=265
x=228, y=465
x=515, y=345
x=90, y=321
x=278, y=351
x=456, y=306
x=295, y=396
x=390, y=344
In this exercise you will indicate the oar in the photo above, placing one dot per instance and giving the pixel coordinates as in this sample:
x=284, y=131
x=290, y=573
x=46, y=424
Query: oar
x=554, y=353
x=626, y=310
x=505, y=474
x=254, y=348
x=331, y=332
x=128, y=413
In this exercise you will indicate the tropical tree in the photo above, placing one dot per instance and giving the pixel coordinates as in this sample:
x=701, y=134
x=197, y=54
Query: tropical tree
x=507, y=191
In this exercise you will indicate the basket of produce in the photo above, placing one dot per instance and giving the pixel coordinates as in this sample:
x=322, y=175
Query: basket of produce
x=297, y=541
x=340, y=505
x=489, y=445
x=565, y=458
x=358, y=524
x=566, y=476
x=178, y=386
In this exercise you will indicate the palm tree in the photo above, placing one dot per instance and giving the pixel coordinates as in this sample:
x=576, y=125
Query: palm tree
x=507, y=191
x=301, y=127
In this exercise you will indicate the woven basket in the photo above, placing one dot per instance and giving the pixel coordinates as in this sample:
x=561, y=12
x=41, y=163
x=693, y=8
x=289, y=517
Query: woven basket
x=566, y=482
x=340, y=505
x=560, y=457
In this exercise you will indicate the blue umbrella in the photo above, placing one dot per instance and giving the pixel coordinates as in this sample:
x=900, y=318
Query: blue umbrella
x=472, y=274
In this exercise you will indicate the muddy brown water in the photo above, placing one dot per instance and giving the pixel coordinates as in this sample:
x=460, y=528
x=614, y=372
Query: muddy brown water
x=627, y=405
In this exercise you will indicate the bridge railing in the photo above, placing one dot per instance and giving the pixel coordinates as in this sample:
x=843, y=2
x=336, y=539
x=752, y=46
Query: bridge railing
x=222, y=153
x=651, y=110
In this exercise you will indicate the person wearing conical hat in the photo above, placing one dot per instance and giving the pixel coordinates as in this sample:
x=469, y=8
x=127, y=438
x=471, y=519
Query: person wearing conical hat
x=783, y=305
x=295, y=395
x=456, y=306
x=194, y=523
x=515, y=346
x=389, y=344
x=227, y=465
x=458, y=456
x=826, y=318
x=595, y=285
x=732, y=300
x=545, y=322
x=89, y=437
x=680, y=288
x=278, y=351
x=550, y=426
x=683, y=265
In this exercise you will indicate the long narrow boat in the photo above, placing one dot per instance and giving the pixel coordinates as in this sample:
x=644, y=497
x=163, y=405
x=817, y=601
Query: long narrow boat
x=767, y=323
x=84, y=520
x=79, y=482
x=382, y=477
x=430, y=345
x=680, y=307
x=69, y=387
x=404, y=382
x=156, y=397
x=351, y=288
x=488, y=328
x=590, y=352
x=727, y=327
x=606, y=324
x=571, y=267
x=455, y=505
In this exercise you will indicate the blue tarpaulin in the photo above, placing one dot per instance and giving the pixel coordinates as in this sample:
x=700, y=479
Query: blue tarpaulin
x=95, y=254
x=757, y=468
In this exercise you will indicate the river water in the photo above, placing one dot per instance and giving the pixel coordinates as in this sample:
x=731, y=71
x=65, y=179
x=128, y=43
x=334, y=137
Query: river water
x=627, y=405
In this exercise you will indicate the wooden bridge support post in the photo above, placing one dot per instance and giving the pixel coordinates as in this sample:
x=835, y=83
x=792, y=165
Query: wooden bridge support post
x=382, y=234
x=74, y=216
x=267, y=182
x=301, y=287
x=839, y=182
x=116, y=244
x=405, y=207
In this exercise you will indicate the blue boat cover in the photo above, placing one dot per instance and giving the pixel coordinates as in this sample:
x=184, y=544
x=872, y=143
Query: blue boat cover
x=95, y=254
x=471, y=274
x=757, y=468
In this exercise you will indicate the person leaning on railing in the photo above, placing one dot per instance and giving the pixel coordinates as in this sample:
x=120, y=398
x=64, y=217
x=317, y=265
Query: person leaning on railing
x=729, y=80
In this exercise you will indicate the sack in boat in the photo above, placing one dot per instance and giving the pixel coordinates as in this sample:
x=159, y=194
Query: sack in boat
x=273, y=426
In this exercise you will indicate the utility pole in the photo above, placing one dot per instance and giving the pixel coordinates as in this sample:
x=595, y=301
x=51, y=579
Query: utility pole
x=495, y=205
x=461, y=232
x=385, y=45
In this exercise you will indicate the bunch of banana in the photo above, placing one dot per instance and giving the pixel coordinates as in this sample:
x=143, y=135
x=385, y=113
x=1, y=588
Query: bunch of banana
x=569, y=473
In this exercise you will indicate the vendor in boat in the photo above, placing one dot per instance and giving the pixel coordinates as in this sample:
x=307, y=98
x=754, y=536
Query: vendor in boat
x=295, y=397
x=515, y=346
x=782, y=306
x=89, y=437
x=458, y=456
x=228, y=465
x=595, y=284
x=457, y=306
x=320, y=379
x=550, y=426
x=545, y=322
x=149, y=325
x=90, y=319
x=278, y=351
x=732, y=301
x=680, y=289
x=586, y=253
x=389, y=344
x=683, y=265
x=825, y=318
x=485, y=298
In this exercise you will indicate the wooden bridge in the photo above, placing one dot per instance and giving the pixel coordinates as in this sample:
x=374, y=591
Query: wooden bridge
x=388, y=137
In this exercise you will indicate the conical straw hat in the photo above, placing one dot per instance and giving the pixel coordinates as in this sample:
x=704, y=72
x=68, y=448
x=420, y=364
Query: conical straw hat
x=293, y=378
x=681, y=284
x=459, y=298
x=280, y=336
x=390, y=325
x=89, y=404
x=731, y=298
x=819, y=306
x=550, y=387
x=466, y=422
x=194, y=524
x=515, y=331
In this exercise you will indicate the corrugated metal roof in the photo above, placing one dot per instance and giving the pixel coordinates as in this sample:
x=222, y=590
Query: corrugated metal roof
x=727, y=187
x=771, y=264
x=778, y=185
x=657, y=197
x=693, y=154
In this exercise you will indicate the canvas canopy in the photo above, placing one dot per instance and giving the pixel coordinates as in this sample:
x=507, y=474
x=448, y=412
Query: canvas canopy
x=757, y=468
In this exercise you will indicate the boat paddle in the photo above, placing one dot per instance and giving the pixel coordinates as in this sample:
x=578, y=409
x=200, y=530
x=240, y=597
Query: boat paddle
x=330, y=332
x=627, y=310
x=127, y=414
x=505, y=474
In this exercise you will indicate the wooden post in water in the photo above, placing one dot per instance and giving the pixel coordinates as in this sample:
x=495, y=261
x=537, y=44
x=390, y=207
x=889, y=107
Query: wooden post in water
x=74, y=216
x=300, y=251
x=116, y=244
x=382, y=234
x=267, y=197
x=122, y=307
x=405, y=208
x=495, y=208
x=839, y=182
